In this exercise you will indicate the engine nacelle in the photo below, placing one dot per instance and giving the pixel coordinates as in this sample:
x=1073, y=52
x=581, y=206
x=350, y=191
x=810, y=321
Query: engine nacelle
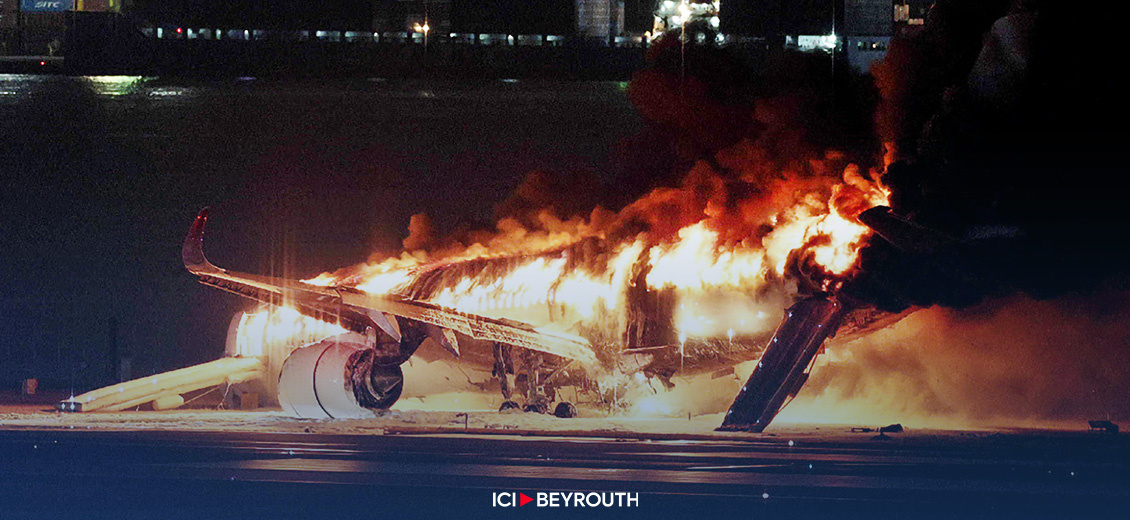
x=337, y=378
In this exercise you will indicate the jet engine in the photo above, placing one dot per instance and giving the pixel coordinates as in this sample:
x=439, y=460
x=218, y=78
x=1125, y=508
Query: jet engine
x=338, y=377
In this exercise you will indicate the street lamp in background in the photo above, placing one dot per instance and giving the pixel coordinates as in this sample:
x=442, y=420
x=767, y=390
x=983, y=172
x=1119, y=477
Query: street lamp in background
x=423, y=29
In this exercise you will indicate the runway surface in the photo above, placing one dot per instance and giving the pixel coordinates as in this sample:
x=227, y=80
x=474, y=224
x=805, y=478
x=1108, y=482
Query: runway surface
x=152, y=474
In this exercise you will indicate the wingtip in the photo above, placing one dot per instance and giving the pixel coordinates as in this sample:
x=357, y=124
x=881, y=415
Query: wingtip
x=198, y=224
x=192, y=252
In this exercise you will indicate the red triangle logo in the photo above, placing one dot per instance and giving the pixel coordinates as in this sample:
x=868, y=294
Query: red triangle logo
x=523, y=499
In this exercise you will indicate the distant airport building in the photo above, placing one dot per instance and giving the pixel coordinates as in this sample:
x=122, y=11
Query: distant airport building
x=698, y=18
x=910, y=14
x=600, y=19
x=596, y=20
x=639, y=16
x=861, y=29
x=37, y=27
x=774, y=20
x=867, y=26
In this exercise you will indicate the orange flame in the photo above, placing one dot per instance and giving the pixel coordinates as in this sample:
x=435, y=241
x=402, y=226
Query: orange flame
x=276, y=330
x=549, y=275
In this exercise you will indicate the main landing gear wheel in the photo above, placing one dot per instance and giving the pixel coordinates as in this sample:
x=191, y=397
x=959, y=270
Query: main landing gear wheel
x=536, y=408
x=508, y=405
x=565, y=410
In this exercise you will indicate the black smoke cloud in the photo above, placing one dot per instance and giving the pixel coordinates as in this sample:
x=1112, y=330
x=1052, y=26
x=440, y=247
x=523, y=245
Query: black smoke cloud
x=1009, y=127
x=707, y=100
x=722, y=127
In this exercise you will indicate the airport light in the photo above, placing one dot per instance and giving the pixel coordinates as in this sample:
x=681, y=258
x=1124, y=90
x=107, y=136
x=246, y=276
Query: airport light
x=423, y=29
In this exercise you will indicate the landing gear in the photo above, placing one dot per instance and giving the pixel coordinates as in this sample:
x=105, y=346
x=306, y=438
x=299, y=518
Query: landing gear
x=531, y=382
x=565, y=410
x=536, y=398
x=504, y=371
x=389, y=351
x=536, y=408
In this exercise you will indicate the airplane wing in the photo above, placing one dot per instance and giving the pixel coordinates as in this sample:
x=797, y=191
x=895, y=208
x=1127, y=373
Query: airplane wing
x=360, y=311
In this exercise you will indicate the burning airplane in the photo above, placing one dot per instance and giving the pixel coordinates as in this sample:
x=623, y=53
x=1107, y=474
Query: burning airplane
x=586, y=308
x=688, y=279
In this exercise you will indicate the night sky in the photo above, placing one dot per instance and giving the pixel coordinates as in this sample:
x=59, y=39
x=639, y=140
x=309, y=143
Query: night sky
x=303, y=177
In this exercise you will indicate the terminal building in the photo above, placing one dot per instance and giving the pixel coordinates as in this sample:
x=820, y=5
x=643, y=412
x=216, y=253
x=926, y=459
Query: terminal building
x=859, y=29
x=37, y=26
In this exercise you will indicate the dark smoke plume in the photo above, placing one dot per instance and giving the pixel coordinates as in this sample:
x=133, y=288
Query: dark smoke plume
x=710, y=105
x=1009, y=140
x=1008, y=122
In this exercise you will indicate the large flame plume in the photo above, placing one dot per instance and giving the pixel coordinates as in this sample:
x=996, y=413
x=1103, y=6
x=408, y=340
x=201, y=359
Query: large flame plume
x=275, y=331
x=711, y=238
